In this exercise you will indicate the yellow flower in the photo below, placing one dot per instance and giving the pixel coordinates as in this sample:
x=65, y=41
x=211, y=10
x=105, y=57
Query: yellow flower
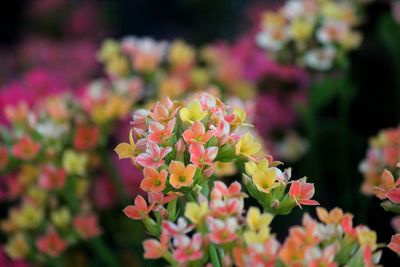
x=27, y=217
x=301, y=29
x=118, y=66
x=366, y=237
x=172, y=87
x=61, y=217
x=193, y=112
x=331, y=10
x=253, y=237
x=246, y=146
x=75, y=163
x=117, y=107
x=272, y=20
x=252, y=167
x=266, y=181
x=17, y=247
x=181, y=54
x=256, y=221
x=195, y=212
x=125, y=150
x=109, y=50
x=240, y=116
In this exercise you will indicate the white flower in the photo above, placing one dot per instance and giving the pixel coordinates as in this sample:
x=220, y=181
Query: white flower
x=293, y=9
x=51, y=129
x=320, y=59
x=271, y=40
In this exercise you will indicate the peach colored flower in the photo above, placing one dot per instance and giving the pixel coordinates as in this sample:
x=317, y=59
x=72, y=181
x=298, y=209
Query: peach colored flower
x=181, y=176
x=153, y=181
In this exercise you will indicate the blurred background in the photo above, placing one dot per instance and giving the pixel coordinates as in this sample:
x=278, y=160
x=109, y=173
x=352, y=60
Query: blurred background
x=59, y=40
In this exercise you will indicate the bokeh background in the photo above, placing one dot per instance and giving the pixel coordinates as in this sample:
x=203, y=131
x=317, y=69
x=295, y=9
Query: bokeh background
x=56, y=36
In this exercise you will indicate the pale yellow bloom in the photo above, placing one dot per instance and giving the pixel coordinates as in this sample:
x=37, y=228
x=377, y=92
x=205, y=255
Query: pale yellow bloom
x=196, y=212
x=193, y=112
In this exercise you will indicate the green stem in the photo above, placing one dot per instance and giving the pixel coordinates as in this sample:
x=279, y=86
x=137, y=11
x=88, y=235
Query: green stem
x=214, y=256
x=102, y=251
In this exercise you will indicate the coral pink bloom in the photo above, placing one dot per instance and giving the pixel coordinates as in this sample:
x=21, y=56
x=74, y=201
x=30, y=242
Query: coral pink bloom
x=180, y=228
x=154, y=155
x=3, y=157
x=347, y=225
x=52, y=178
x=86, y=137
x=197, y=133
x=181, y=175
x=386, y=185
x=394, y=195
x=222, y=232
x=220, y=190
x=200, y=156
x=87, y=226
x=154, y=249
x=163, y=112
x=25, y=149
x=51, y=244
x=188, y=249
x=230, y=207
x=302, y=192
x=138, y=211
x=395, y=243
x=153, y=181
x=221, y=131
x=324, y=258
x=159, y=133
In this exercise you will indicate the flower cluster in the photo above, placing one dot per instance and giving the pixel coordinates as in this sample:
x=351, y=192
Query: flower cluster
x=383, y=153
x=380, y=169
x=172, y=69
x=47, y=154
x=179, y=148
x=317, y=34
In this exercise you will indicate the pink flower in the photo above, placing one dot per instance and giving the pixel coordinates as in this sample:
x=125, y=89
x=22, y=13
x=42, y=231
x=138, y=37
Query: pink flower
x=163, y=111
x=138, y=211
x=222, y=232
x=154, y=249
x=302, y=192
x=160, y=133
x=52, y=178
x=200, y=156
x=180, y=228
x=221, y=131
x=86, y=137
x=154, y=155
x=25, y=148
x=220, y=190
x=51, y=244
x=87, y=226
x=188, y=249
x=197, y=133
x=395, y=243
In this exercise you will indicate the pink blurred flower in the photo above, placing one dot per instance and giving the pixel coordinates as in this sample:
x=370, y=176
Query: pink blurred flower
x=51, y=244
x=87, y=226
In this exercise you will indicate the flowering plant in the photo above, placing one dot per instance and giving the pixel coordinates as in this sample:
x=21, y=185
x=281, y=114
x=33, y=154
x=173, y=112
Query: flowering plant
x=171, y=69
x=179, y=147
x=380, y=169
x=312, y=33
x=47, y=155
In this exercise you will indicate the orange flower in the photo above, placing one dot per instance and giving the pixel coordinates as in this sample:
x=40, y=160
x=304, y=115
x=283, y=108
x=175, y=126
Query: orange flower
x=26, y=148
x=153, y=181
x=334, y=216
x=181, y=175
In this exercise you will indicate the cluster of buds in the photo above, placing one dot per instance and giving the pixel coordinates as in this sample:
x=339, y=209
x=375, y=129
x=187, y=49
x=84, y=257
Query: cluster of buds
x=179, y=147
x=383, y=153
x=47, y=154
x=170, y=69
x=311, y=33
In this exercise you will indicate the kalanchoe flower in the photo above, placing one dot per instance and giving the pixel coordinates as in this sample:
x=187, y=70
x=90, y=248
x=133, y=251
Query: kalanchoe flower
x=395, y=243
x=87, y=226
x=188, y=249
x=302, y=192
x=153, y=181
x=86, y=138
x=52, y=178
x=154, y=249
x=51, y=244
x=201, y=156
x=197, y=133
x=138, y=211
x=181, y=175
x=154, y=155
x=125, y=150
x=26, y=148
